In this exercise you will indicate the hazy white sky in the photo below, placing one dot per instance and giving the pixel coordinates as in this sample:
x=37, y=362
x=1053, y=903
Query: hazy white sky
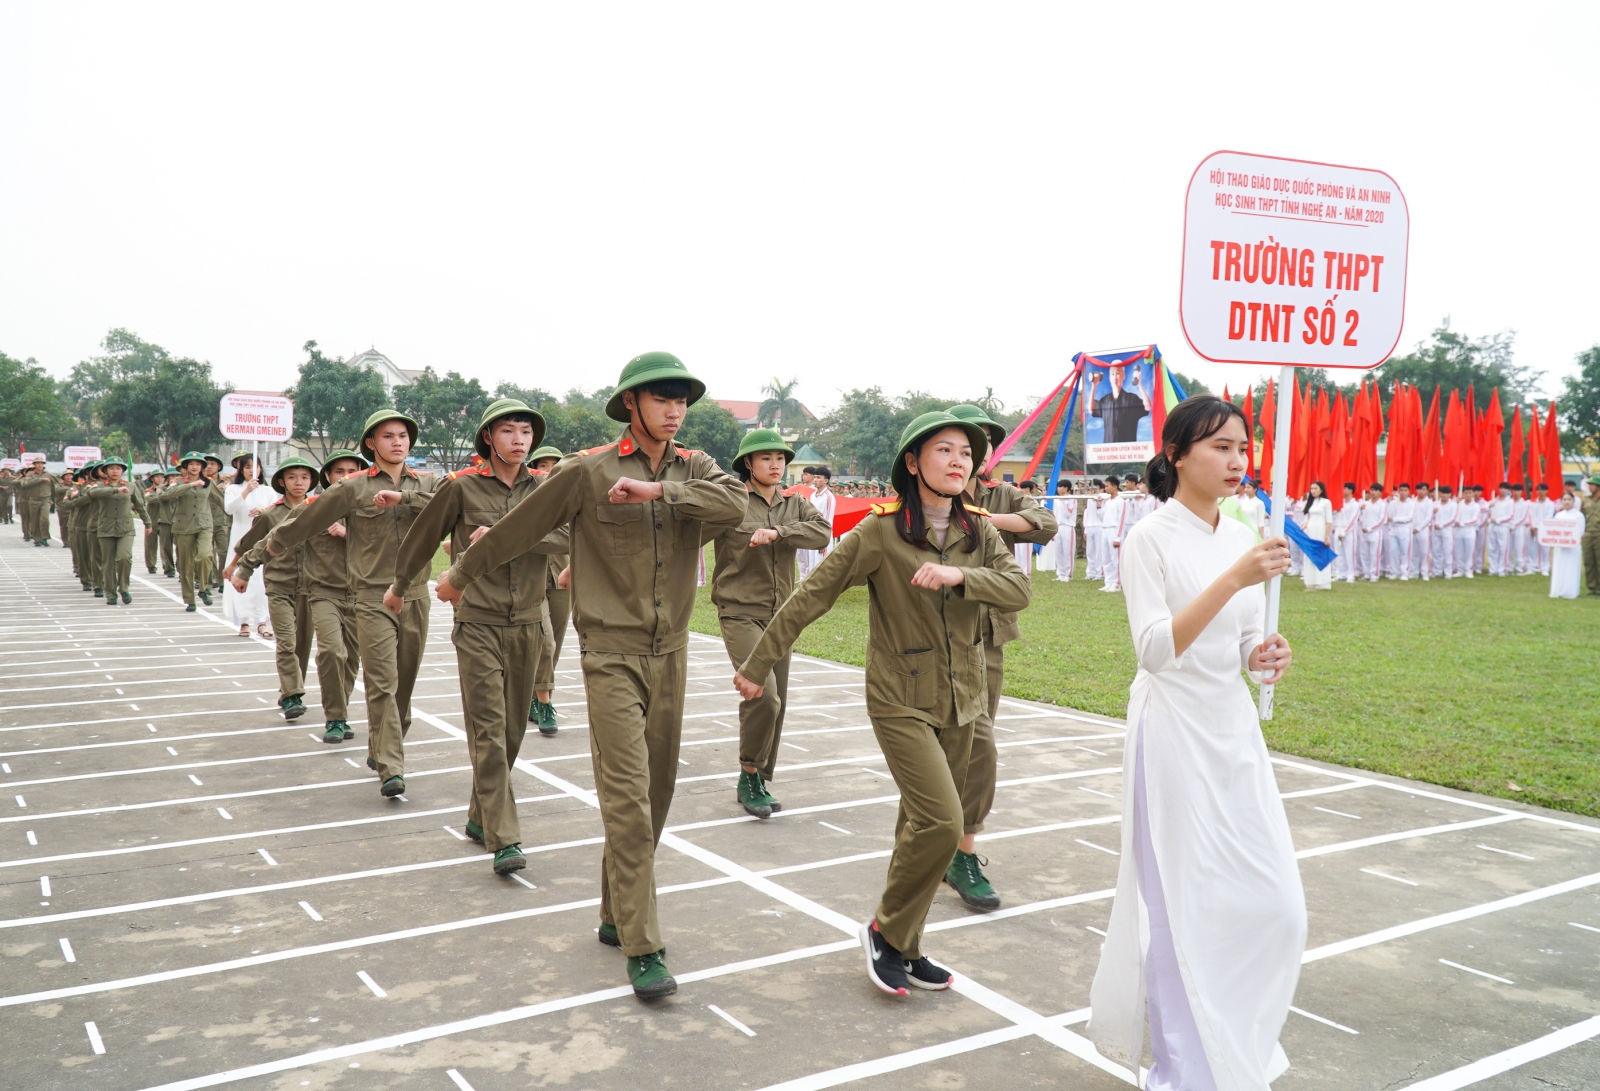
x=931, y=195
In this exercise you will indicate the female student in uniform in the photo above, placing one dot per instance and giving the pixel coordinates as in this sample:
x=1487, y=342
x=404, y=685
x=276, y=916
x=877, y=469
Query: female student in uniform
x=931, y=565
x=1319, y=528
x=1214, y=953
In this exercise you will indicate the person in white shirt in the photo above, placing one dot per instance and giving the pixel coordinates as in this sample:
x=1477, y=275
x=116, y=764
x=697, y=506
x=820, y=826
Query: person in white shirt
x=1113, y=525
x=1374, y=514
x=1480, y=552
x=1522, y=558
x=1467, y=512
x=1346, y=523
x=1093, y=505
x=1443, y=533
x=1541, y=508
x=1397, y=540
x=1253, y=508
x=817, y=478
x=1319, y=528
x=1065, y=546
x=1422, y=531
x=1297, y=516
x=1502, y=510
x=1140, y=502
x=1566, y=570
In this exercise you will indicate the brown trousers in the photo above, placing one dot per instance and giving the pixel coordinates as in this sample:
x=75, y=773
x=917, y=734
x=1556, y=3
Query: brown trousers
x=169, y=557
x=930, y=769
x=391, y=653
x=558, y=604
x=1589, y=553
x=497, y=665
x=116, y=563
x=291, y=628
x=977, y=796
x=635, y=726
x=761, y=720
x=152, y=547
x=194, y=563
x=338, y=659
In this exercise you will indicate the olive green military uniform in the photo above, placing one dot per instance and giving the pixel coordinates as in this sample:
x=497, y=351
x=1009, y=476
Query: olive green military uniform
x=34, y=492
x=333, y=618
x=221, y=528
x=152, y=535
x=288, y=587
x=1589, y=544
x=391, y=647
x=85, y=542
x=68, y=507
x=999, y=629
x=558, y=612
x=748, y=585
x=57, y=492
x=115, y=507
x=7, y=484
x=190, y=505
x=499, y=632
x=925, y=684
x=634, y=568
x=163, y=517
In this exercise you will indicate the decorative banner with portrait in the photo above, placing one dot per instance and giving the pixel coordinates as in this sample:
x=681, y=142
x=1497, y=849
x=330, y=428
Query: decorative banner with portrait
x=1125, y=397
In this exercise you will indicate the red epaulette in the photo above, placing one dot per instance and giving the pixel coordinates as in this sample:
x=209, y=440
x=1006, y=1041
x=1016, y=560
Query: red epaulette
x=886, y=508
x=373, y=472
x=535, y=472
x=311, y=498
x=277, y=504
x=468, y=471
x=685, y=452
x=607, y=447
x=977, y=510
x=986, y=483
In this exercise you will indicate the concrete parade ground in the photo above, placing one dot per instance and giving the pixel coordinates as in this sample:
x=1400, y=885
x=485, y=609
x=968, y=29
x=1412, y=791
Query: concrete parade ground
x=195, y=894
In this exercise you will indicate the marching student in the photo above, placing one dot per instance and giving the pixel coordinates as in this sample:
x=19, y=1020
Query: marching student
x=558, y=611
x=1113, y=522
x=79, y=509
x=1421, y=531
x=1296, y=515
x=189, y=502
x=1319, y=528
x=378, y=508
x=1374, y=515
x=1251, y=504
x=333, y=608
x=753, y=576
x=242, y=499
x=1401, y=510
x=1468, y=511
x=636, y=509
x=1093, y=504
x=152, y=539
x=1064, y=506
x=1346, y=532
x=933, y=568
x=1442, y=533
x=499, y=621
x=7, y=492
x=161, y=510
x=34, y=490
x=1209, y=922
x=286, y=582
x=115, y=502
x=1542, y=508
x=221, y=520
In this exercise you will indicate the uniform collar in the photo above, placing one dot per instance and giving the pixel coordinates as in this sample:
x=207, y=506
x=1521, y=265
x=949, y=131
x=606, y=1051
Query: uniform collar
x=405, y=471
x=626, y=446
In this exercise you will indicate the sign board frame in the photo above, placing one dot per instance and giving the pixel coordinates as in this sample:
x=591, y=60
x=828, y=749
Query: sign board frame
x=1560, y=534
x=256, y=415
x=75, y=458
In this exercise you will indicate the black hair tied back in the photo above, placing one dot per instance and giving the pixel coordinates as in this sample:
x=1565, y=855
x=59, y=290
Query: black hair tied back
x=1194, y=420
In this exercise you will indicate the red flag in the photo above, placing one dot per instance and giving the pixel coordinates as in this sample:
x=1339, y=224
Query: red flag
x=1514, y=471
x=1250, y=426
x=1455, y=443
x=1552, y=455
x=1432, y=450
x=1269, y=414
x=1338, y=445
x=1225, y=395
x=1299, y=448
x=1158, y=396
x=1350, y=471
x=1494, y=455
x=1393, y=445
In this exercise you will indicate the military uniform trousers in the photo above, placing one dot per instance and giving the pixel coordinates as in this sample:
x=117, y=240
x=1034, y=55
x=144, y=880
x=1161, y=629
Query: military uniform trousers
x=761, y=720
x=116, y=563
x=338, y=659
x=78, y=546
x=5, y=507
x=391, y=652
x=194, y=563
x=558, y=605
x=219, y=550
x=977, y=795
x=929, y=765
x=91, y=565
x=291, y=629
x=36, y=519
x=496, y=664
x=169, y=557
x=1589, y=550
x=635, y=726
x=61, y=520
x=152, y=547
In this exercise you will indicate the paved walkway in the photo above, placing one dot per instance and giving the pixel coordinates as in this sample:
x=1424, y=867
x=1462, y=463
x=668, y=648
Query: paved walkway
x=195, y=894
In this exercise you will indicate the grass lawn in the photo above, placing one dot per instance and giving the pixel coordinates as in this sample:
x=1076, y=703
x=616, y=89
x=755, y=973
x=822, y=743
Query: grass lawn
x=1486, y=684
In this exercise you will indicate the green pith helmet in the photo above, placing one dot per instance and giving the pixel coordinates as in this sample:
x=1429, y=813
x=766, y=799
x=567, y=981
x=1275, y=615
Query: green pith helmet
x=192, y=456
x=127, y=467
x=652, y=367
x=762, y=439
x=335, y=456
x=1595, y=480
x=976, y=415
x=928, y=423
x=546, y=452
x=293, y=464
x=210, y=457
x=380, y=417
x=505, y=407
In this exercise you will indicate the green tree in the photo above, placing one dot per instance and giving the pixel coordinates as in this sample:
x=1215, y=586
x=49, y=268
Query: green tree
x=165, y=404
x=780, y=406
x=710, y=428
x=447, y=411
x=1578, y=408
x=28, y=404
x=1454, y=361
x=332, y=399
x=568, y=428
x=861, y=433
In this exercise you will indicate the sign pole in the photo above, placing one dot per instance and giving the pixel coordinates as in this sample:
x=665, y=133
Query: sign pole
x=1280, y=508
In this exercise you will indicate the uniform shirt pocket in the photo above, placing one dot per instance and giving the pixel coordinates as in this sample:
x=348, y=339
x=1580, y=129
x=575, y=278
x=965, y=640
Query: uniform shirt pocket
x=914, y=673
x=623, y=528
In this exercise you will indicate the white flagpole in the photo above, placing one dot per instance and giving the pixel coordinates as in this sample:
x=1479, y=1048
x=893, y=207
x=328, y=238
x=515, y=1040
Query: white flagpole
x=1280, y=507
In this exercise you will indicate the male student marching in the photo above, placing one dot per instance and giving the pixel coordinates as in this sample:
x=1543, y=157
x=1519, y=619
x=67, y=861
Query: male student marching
x=499, y=622
x=189, y=503
x=558, y=611
x=1019, y=518
x=379, y=507
x=333, y=608
x=116, y=500
x=636, y=509
x=754, y=575
x=287, y=580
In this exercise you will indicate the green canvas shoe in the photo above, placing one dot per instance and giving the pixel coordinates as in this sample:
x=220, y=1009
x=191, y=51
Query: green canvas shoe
x=608, y=935
x=349, y=732
x=127, y=599
x=966, y=876
x=394, y=786
x=509, y=859
x=474, y=832
x=752, y=796
x=294, y=708
x=372, y=764
x=766, y=796
x=331, y=732
x=650, y=976
x=205, y=597
x=544, y=714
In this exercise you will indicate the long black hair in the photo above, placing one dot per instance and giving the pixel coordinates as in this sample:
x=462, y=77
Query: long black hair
x=1195, y=419
x=1306, y=503
x=912, y=523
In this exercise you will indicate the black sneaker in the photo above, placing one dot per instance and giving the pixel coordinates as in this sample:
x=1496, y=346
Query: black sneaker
x=921, y=973
x=885, y=967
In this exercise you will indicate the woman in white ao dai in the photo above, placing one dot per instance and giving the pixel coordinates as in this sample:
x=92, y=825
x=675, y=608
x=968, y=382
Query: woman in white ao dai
x=1209, y=922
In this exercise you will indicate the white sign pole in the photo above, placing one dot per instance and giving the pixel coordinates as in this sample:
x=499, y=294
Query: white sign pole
x=1280, y=508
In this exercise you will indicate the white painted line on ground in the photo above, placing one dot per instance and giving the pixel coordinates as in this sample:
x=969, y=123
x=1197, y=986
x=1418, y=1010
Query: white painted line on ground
x=838, y=829
x=1403, y=835
x=44, y=885
x=1585, y=927
x=1386, y=875
x=1092, y=845
x=21, y=802
x=458, y=1079
x=32, y=840
x=94, y=1037
x=366, y=980
x=1095, y=791
x=523, y=881
x=1480, y=973
x=1506, y=852
x=732, y=1021
x=225, y=814
x=451, y=831
x=66, y=950
x=876, y=773
x=196, y=780
x=1515, y=1057
x=1341, y=814
x=800, y=748
x=312, y=913
x=267, y=856
x=1095, y=930
x=1325, y=1022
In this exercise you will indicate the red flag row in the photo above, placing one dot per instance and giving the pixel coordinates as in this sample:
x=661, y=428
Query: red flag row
x=1451, y=443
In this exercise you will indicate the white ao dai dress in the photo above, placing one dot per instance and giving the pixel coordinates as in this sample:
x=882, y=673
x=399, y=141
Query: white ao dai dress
x=249, y=607
x=1319, y=517
x=1566, y=563
x=1209, y=921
